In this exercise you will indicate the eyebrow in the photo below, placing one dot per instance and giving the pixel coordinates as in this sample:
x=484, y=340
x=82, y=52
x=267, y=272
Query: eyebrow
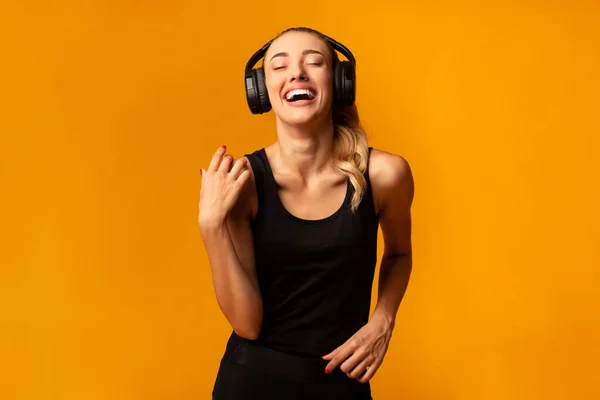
x=305, y=52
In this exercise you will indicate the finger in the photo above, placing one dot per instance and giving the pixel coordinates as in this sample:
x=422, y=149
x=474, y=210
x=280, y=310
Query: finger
x=238, y=168
x=216, y=159
x=226, y=161
x=238, y=185
x=334, y=352
x=352, y=361
x=243, y=178
x=370, y=372
x=341, y=355
x=360, y=369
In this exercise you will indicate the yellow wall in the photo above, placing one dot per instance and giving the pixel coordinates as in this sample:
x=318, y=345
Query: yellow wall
x=109, y=109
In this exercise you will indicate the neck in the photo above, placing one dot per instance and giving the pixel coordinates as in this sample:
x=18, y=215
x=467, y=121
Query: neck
x=304, y=150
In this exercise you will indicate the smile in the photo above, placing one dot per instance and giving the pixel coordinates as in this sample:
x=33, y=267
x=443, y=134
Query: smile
x=300, y=94
x=300, y=97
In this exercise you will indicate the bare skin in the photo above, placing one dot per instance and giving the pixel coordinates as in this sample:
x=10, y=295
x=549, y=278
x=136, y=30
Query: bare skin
x=310, y=188
x=227, y=237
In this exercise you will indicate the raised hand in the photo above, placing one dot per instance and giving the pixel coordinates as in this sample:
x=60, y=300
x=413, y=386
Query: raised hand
x=222, y=183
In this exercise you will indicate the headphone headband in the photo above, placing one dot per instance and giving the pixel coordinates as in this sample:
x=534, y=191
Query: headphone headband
x=263, y=50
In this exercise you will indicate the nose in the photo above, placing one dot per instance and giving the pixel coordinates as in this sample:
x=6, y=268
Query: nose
x=298, y=74
x=299, y=77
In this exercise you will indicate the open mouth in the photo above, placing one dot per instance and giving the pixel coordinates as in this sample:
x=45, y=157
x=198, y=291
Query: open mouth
x=298, y=95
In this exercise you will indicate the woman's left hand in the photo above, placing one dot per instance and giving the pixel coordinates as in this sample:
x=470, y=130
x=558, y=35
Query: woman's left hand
x=362, y=354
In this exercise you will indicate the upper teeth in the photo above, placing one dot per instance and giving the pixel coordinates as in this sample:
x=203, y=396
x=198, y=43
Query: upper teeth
x=295, y=92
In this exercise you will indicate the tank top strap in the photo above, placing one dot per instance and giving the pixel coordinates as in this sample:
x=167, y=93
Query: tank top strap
x=367, y=169
x=259, y=172
x=266, y=186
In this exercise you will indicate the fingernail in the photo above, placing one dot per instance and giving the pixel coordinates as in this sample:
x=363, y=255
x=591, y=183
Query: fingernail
x=201, y=171
x=326, y=371
x=224, y=146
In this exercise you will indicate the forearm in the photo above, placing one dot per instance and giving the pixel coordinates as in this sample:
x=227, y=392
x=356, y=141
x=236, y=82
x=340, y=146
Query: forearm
x=394, y=274
x=236, y=288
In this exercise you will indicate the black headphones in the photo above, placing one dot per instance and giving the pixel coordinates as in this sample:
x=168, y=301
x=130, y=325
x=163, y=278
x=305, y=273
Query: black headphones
x=344, y=80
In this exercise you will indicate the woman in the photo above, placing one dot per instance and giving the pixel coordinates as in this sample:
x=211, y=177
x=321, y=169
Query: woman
x=291, y=236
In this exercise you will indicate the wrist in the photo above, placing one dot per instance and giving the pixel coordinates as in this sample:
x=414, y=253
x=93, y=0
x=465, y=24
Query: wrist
x=383, y=318
x=211, y=225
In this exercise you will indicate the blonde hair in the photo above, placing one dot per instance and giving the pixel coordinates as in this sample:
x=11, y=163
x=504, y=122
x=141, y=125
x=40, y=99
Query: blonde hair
x=351, y=149
x=350, y=140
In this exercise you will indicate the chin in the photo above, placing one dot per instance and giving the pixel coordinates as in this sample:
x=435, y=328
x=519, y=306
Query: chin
x=301, y=117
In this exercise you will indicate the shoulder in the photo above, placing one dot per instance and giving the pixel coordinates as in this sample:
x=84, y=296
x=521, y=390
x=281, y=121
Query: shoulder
x=391, y=179
x=388, y=169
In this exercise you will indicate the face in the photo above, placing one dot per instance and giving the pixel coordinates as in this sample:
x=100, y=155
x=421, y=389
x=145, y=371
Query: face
x=298, y=76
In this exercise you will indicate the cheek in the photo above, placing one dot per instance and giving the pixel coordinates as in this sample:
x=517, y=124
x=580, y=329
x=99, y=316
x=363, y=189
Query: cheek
x=325, y=82
x=273, y=88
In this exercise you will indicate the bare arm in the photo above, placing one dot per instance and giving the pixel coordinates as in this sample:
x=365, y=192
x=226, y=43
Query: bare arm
x=393, y=187
x=229, y=246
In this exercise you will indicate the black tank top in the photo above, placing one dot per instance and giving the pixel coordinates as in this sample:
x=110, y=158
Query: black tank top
x=315, y=276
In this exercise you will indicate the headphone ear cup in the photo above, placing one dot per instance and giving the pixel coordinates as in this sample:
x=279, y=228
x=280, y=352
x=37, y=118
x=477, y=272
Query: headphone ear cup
x=344, y=83
x=263, y=95
x=256, y=92
x=337, y=83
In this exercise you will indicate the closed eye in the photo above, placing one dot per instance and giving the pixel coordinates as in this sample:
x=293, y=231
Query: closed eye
x=318, y=64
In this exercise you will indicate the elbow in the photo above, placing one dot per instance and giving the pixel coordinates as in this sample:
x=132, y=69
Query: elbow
x=394, y=254
x=248, y=331
x=248, y=328
x=246, y=322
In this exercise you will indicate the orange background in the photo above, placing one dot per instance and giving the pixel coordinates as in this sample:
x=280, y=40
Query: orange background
x=110, y=108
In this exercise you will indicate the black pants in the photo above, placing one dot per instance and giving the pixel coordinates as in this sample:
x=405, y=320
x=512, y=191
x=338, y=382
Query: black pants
x=249, y=371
